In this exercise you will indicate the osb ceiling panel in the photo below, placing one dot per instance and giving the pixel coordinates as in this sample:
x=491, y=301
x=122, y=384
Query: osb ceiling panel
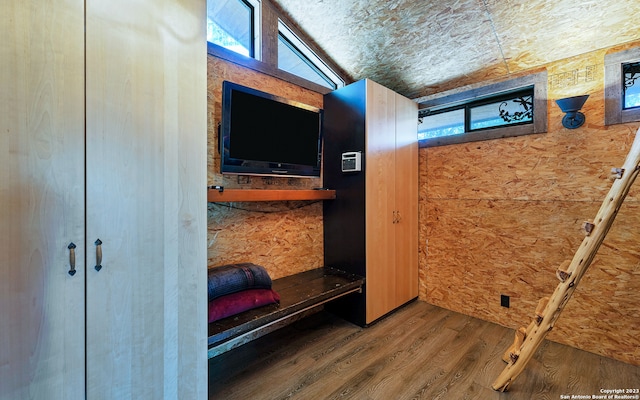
x=419, y=47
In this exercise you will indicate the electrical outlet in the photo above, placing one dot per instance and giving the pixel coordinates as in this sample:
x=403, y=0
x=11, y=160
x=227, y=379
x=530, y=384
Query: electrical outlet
x=504, y=300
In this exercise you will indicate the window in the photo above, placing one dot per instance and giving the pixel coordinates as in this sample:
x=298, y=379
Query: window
x=439, y=124
x=510, y=109
x=631, y=85
x=500, y=110
x=233, y=24
x=622, y=87
x=297, y=58
x=492, y=112
x=246, y=34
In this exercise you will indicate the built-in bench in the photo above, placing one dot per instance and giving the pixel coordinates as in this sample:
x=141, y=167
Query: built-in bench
x=301, y=294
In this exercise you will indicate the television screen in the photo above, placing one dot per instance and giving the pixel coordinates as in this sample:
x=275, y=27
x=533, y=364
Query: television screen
x=263, y=134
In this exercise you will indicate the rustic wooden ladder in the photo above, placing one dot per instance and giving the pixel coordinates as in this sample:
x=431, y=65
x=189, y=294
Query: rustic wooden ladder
x=569, y=273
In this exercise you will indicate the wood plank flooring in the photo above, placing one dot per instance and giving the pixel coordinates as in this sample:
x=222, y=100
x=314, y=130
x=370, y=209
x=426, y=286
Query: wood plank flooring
x=419, y=352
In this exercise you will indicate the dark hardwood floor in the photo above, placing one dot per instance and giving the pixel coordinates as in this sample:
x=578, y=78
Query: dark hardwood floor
x=419, y=352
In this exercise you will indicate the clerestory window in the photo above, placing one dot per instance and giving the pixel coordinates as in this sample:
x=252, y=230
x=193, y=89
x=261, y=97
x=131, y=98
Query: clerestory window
x=234, y=25
x=295, y=57
x=511, y=108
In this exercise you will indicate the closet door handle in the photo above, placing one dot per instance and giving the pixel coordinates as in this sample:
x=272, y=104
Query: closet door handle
x=72, y=258
x=98, y=244
x=398, y=217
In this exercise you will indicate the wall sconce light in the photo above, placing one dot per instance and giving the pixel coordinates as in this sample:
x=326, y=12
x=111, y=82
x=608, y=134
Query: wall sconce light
x=571, y=105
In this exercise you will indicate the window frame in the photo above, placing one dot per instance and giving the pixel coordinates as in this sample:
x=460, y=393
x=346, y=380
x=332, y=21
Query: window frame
x=614, y=111
x=491, y=92
x=302, y=50
x=266, y=60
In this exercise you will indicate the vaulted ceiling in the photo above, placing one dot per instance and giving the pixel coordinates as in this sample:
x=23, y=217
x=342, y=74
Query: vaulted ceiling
x=421, y=47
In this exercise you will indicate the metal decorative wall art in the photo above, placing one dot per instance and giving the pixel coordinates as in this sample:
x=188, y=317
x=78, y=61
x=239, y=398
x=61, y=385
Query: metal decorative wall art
x=525, y=113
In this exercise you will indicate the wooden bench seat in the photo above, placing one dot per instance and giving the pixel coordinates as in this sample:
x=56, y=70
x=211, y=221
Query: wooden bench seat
x=300, y=295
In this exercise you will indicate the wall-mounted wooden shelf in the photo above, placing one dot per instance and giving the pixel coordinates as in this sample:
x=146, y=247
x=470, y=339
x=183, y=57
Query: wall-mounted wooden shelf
x=215, y=195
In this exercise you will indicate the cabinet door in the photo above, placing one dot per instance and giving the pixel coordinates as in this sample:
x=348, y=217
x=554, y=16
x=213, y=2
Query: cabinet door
x=380, y=200
x=42, y=200
x=146, y=199
x=406, y=200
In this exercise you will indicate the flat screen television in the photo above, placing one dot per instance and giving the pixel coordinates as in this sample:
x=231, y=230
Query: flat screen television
x=264, y=134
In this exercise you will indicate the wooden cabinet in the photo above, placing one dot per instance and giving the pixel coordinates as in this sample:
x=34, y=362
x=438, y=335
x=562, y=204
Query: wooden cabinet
x=371, y=229
x=103, y=145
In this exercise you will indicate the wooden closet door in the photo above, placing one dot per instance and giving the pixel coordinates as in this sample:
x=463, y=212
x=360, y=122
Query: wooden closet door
x=146, y=199
x=406, y=240
x=42, y=200
x=380, y=200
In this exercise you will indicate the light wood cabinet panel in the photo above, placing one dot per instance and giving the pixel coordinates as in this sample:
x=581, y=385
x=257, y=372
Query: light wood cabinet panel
x=406, y=189
x=146, y=196
x=380, y=194
x=42, y=200
x=125, y=196
x=371, y=227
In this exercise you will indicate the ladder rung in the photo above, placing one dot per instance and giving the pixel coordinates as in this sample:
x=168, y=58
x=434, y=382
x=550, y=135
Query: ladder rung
x=588, y=227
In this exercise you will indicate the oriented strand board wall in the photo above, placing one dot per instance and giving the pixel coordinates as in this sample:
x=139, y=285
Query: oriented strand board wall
x=284, y=237
x=498, y=217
